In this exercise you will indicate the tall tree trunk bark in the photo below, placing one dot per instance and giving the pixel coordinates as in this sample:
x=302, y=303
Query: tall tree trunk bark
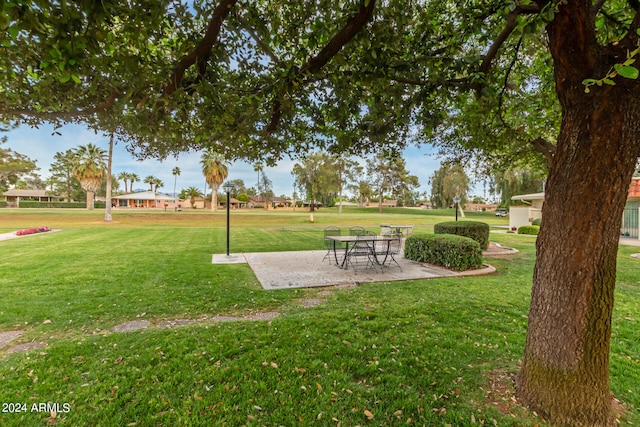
x=90, y=197
x=214, y=198
x=107, y=207
x=565, y=370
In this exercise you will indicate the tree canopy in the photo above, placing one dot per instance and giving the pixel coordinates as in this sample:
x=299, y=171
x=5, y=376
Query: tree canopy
x=13, y=166
x=261, y=81
x=448, y=182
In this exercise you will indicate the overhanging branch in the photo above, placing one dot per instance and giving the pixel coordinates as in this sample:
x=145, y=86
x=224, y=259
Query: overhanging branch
x=261, y=44
x=202, y=51
x=337, y=42
x=543, y=146
x=344, y=36
x=512, y=22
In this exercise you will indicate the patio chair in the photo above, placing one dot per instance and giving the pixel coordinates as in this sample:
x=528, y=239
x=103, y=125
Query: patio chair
x=329, y=244
x=408, y=231
x=361, y=253
x=386, y=254
x=384, y=228
x=356, y=231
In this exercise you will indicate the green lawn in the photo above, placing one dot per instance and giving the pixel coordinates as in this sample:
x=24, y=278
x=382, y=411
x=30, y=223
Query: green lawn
x=423, y=352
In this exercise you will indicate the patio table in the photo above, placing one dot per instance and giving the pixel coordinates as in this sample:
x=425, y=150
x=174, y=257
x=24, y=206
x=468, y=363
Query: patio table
x=349, y=241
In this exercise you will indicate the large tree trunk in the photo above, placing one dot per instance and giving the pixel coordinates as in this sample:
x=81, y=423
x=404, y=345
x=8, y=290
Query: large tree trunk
x=565, y=368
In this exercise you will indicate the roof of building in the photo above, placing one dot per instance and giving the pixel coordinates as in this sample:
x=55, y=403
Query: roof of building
x=534, y=196
x=27, y=193
x=145, y=195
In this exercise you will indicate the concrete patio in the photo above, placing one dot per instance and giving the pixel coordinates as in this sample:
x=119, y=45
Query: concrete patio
x=306, y=269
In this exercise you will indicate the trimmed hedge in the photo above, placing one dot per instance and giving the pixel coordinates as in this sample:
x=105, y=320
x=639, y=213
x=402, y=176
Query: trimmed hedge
x=529, y=229
x=476, y=230
x=454, y=252
x=27, y=204
x=3, y=204
x=537, y=221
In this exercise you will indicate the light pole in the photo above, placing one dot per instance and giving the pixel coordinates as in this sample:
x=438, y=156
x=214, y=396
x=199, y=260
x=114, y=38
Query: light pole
x=228, y=187
x=456, y=200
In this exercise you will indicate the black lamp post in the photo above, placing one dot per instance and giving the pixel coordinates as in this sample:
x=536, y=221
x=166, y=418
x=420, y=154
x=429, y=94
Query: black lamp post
x=228, y=187
x=456, y=200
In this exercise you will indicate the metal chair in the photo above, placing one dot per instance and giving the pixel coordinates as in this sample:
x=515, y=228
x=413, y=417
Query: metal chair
x=392, y=248
x=361, y=253
x=329, y=244
x=409, y=231
x=356, y=230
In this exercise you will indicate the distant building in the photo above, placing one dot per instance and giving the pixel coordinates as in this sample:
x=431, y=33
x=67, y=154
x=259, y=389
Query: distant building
x=524, y=215
x=272, y=203
x=13, y=197
x=145, y=199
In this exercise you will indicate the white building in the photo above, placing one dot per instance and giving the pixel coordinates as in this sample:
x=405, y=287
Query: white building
x=524, y=215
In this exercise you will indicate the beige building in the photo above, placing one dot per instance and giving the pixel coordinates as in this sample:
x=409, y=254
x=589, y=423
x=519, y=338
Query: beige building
x=13, y=197
x=145, y=199
x=524, y=215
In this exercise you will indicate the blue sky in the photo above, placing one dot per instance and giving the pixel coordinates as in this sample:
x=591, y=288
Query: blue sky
x=41, y=145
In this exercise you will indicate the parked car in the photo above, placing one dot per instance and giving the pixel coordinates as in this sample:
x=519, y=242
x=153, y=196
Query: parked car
x=502, y=212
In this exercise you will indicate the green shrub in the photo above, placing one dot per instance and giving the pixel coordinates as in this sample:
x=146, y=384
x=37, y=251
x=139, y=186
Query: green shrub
x=3, y=203
x=537, y=221
x=454, y=252
x=478, y=231
x=529, y=229
x=27, y=204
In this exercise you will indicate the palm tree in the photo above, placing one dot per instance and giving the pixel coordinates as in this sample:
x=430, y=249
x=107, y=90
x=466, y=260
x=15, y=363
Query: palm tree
x=176, y=173
x=124, y=177
x=89, y=166
x=133, y=178
x=215, y=172
x=150, y=179
x=157, y=182
x=191, y=193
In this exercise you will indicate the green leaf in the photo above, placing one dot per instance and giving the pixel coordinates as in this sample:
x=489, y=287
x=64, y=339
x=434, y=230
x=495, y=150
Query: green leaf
x=13, y=31
x=65, y=78
x=55, y=53
x=75, y=78
x=530, y=28
x=627, y=71
x=608, y=82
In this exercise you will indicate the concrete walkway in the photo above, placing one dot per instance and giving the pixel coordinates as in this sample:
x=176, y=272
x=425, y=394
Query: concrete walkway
x=306, y=269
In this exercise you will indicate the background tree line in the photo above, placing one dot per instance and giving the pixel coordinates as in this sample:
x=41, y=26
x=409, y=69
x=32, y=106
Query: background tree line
x=325, y=178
